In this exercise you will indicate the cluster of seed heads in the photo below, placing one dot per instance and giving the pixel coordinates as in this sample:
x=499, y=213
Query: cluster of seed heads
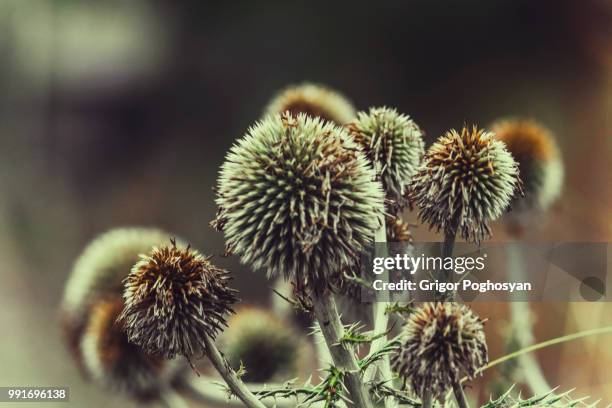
x=466, y=180
x=298, y=198
x=174, y=297
x=394, y=145
x=312, y=100
x=440, y=344
x=539, y=162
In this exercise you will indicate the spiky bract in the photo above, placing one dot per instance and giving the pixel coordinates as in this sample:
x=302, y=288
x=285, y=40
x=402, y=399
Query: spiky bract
x=394, y=145
x=114, y=363
x=539, y=161
x=441, y=343
x=266, y=345
x=174, y=297
x=297, y=198
x=313, y=100
x=466, y=180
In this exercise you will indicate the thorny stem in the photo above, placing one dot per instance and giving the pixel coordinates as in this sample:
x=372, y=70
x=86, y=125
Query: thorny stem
x=229, y=375
x=381, y=370
x=203, y=389
x=460, y=395
x=342, y=354
x=519, y=313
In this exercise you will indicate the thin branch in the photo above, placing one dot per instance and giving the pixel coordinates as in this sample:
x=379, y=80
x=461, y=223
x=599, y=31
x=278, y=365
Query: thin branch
x=229, y=375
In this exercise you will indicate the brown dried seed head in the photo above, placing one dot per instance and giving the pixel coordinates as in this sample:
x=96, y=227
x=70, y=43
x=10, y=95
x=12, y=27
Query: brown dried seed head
x=441, y=343
x=174, y=297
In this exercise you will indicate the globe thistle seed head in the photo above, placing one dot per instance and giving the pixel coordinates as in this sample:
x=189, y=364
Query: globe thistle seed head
x=116, y=364
x=98, y=274
x=394, y=145
x=539, y=162
x=466, y=180
x=440, y=344
x=102, y=266
x=265, y=344
x=174, y=297
x=297, y=198
x=312, y=100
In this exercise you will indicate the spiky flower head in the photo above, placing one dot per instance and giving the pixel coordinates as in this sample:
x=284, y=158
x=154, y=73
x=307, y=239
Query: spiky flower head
x=116, y=364
x=466, y=180
x=312, y=100
x=266, y=345
x=174, y=297
x=298, y=198
x=440, y=344
x=539, y=162
x=98, y=274
x=394, y=145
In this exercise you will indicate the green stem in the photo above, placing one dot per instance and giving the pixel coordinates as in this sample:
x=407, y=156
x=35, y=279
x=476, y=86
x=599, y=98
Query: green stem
x=548, y=343
x=382, y=369
x=229, y=375
x=344, y=357
x=520, y=317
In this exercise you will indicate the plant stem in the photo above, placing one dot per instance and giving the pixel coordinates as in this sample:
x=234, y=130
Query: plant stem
x=460, y=395
x=229, y=375
x=519, y=314
x=204, y=390
x=343, y=355
x=544, y=344
x=382, y=369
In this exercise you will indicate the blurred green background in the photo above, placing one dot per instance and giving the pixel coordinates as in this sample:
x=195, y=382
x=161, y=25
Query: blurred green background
x=120, y=113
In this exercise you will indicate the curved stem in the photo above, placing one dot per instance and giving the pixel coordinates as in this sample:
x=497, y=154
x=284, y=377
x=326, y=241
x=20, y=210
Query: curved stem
x=544, y=344
x=343, y=356
x=519, y=314
x=229, y=375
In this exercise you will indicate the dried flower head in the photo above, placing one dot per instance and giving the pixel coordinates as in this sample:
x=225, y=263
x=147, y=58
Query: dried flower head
x=266, y=345
x=98, y=274
x=297, y=198
x=440, y=344
x=312, y=100
x=539, y=161
x=114, y=363
x=394, y=145
x=174, y=297
x=466, y=180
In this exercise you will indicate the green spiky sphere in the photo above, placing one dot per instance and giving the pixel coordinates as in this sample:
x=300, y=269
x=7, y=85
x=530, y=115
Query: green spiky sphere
x=466, y=180
x=394, y=144
x=298, y=198
x=266, y=345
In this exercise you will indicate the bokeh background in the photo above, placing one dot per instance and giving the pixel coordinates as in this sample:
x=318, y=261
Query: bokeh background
x=120, y=113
